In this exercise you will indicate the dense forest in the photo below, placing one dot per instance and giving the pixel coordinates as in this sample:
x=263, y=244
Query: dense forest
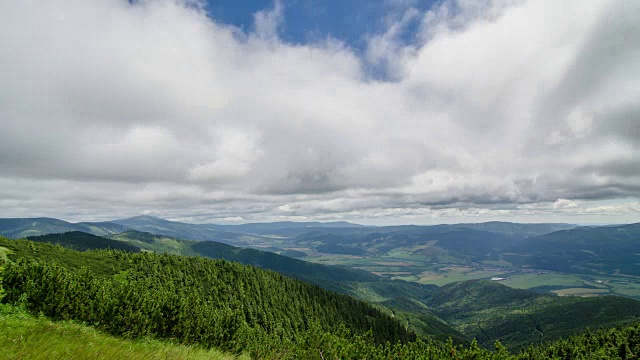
x=81, y=241
x=209, y=302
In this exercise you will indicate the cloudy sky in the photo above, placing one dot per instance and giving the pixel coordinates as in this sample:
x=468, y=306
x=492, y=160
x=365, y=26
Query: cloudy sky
x=380, y=112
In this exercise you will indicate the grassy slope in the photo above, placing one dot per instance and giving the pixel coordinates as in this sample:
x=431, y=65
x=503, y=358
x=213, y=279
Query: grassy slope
x=23, y=336
x=22, y=227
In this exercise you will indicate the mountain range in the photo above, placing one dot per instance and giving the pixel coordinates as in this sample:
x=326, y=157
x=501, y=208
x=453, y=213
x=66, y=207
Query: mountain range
x=554, y=247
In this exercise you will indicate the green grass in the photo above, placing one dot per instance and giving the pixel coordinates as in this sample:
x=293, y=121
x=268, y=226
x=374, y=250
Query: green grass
x=527, y=281
x=450, y=274
x=23, y=336
x=501, y=263
x=365, y=292
x=4, y=252
x=564, y=283
x=156, y=243
x=580, y=292
x=627, y=287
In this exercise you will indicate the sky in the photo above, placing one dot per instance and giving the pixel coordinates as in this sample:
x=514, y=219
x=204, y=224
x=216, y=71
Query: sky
x=375, y=112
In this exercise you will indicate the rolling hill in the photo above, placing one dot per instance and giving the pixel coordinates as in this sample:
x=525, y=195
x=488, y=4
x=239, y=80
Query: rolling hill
x=23, y=227
x=594, y=250
x=488, y=311
x=81, y=241
x=467, y=242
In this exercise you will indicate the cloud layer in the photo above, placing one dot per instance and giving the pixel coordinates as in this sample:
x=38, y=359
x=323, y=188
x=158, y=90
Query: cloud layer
x=498, y=109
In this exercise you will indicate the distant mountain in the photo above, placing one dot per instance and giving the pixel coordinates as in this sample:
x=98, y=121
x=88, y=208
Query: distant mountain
x=180, y=230
x=595, y=250
x=101, y=228
x=339, y=237
x=276, y=228
x=460, y=242
x=23, y=227
x=225, y=233
x=509, y=228
x=505, y=228
x=20, y=228
x=465, y=241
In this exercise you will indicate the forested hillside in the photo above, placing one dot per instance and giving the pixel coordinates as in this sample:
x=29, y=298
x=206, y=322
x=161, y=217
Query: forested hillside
x=591, y=250
x=488, y=311
x=316, y=273
x=23, y=227
x=211, y=302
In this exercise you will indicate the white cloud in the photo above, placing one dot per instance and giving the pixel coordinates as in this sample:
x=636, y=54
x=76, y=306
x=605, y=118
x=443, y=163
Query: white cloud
x=152, y=106
x=267, y=22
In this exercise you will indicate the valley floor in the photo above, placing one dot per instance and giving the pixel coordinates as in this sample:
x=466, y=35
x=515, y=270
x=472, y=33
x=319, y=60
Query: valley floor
x=419, y=269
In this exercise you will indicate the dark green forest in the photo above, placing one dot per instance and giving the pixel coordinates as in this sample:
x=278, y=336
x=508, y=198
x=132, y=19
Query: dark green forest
x=81, y=241
x=209, y=302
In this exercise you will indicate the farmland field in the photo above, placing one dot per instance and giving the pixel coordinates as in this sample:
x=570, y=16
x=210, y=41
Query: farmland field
x=399, y=265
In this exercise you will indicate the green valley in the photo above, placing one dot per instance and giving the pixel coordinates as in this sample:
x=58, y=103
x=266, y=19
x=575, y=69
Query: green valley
x=439, y=282
x=237, y=309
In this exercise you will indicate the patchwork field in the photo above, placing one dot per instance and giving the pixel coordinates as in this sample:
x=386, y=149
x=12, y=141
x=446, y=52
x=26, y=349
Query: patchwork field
x=581, y=292
x=403, y=266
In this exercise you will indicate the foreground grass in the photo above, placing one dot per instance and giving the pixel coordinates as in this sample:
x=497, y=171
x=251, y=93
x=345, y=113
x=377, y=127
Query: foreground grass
x=23, y=336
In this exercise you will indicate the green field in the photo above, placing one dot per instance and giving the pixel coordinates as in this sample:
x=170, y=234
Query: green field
x=4, y=252
x=402, y=265
x=528, y=281
x=23, y=336
x=585, y=292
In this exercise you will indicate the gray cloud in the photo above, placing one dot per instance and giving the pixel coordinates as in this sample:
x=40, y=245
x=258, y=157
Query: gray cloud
x=499, y=110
